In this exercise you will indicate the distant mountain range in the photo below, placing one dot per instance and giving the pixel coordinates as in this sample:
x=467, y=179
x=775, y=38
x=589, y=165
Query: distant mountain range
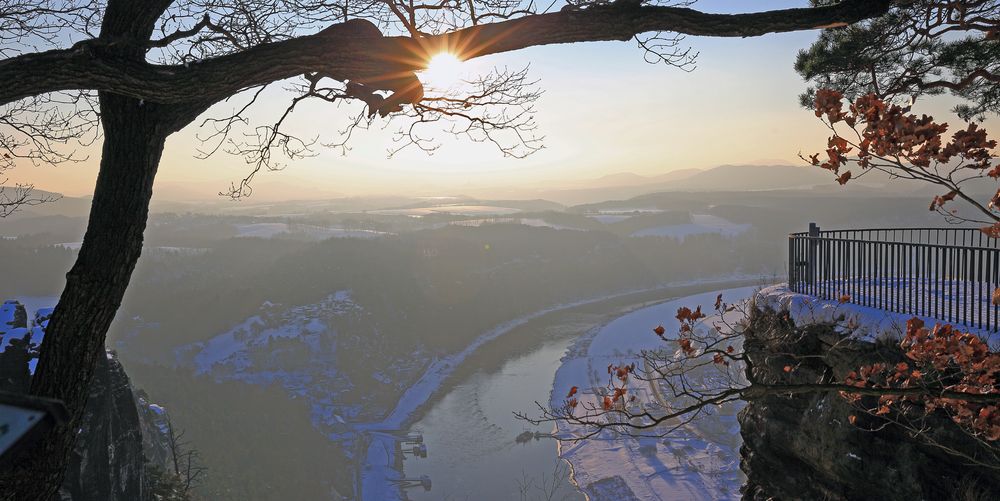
x=554, y=194
x=722, y=178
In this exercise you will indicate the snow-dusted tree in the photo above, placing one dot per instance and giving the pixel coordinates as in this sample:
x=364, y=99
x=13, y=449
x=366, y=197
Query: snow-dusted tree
x=143, y=69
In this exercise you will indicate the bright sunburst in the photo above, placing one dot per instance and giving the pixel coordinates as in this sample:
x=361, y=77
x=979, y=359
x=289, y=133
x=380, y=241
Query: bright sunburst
x=443, y=70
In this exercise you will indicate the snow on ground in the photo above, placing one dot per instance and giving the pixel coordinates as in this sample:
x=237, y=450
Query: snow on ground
x=541, y=223
x=700, y=461
x=956, y=300
x=609, y=218
x=234, y=347
x=290, y=346
x=379, y=474
x=271, y=230
x=700, y=224
x=160, y=248
x=459, y=210
x=536, y=222
x=475, y=223
x=261, y=230
x=850, y=318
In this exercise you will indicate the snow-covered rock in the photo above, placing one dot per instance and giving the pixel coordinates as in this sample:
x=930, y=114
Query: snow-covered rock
x=849, y=318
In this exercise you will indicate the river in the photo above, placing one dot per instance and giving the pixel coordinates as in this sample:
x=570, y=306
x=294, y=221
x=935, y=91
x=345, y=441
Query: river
x=471, y=432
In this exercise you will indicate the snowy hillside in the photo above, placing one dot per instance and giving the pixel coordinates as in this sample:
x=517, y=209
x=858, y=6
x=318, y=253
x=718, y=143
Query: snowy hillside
x=297, y=347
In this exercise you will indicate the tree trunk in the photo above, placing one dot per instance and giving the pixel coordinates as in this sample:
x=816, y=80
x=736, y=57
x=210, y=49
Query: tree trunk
x=134, y=135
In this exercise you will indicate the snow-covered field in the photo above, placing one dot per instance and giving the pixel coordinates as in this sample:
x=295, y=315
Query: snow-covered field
x=460, y=210
x=608, y=216
x=700, y=224
x=526, y=221
x=541, y=223
x=159, y=248
x=700, y=461
x=312, y=232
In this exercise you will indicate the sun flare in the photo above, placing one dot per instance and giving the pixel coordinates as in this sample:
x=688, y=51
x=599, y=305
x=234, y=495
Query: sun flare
x=443, y=70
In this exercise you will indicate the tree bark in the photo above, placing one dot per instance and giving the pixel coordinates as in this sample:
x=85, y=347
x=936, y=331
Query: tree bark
x=134, y=136
x=356, y=50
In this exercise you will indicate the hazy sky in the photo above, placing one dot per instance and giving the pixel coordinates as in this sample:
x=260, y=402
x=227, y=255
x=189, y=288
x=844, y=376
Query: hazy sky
x=604, y=110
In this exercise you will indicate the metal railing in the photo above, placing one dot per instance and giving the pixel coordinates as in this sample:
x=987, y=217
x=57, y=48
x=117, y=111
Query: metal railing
x=948, y=274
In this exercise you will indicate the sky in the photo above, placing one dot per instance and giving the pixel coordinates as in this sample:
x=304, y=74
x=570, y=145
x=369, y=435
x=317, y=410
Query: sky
x=604, y=110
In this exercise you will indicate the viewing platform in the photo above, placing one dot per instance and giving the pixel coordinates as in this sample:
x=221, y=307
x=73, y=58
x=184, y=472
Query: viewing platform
x=946, y=274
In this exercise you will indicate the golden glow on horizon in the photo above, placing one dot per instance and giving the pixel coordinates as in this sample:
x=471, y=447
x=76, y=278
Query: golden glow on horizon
x=444, y=70
x=604, y=111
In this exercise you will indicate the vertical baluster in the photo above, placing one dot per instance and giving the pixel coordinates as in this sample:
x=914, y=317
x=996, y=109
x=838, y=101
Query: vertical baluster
x=870, y=278
x=994, y=272
x=883, y=282
x=978, y=304
x=827, y=262
x=908, y=277
x=952, y=255
x=791, y=263
x=880, y=285
x=901, y=278
x=964, y=300
x=924, y=265
x=852, y=269
x=938, y=277
x=988, y=256
x=876, y=262
x=894, y=285
x=994, y=283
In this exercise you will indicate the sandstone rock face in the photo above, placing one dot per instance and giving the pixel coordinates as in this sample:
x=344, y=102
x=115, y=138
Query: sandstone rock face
x=121, y=432
x=155, y=425
x=804, y=447
x=108, y=463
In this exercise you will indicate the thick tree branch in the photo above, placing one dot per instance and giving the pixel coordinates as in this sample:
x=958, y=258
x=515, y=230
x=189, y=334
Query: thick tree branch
x=357, y=51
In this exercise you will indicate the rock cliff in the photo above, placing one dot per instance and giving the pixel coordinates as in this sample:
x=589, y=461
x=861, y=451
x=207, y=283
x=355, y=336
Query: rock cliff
x=804, y=447
x=121, y=434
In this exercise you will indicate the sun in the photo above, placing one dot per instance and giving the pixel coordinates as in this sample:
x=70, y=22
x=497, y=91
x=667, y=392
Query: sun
x=443, y=70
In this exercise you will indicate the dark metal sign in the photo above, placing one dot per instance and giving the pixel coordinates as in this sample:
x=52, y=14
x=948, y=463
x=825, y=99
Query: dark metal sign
x=24, y=419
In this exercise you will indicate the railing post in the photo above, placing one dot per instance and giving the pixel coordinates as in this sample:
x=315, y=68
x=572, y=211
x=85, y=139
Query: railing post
x=792, y=266
x=811, y=269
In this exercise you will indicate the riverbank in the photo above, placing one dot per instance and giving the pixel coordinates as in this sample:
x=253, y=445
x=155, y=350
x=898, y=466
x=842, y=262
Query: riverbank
x=511, y=339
